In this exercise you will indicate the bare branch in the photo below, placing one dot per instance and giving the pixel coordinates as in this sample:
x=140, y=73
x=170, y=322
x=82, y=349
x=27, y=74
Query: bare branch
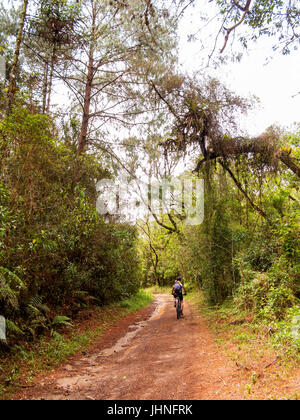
x=165, y=101
x=245, y=8
x=229, y=30
x=238, y=184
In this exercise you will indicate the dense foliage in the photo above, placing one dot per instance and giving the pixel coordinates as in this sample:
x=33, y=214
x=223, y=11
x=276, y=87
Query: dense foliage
x=56, y=251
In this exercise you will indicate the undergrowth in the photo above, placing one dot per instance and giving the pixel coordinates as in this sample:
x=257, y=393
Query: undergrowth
x=255, y=335
x=26, y=360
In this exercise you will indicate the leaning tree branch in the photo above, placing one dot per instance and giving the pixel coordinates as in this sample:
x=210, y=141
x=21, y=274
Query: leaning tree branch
x=240, y=146
x=238, y=184
x=168, y=228
x=243, y=8
x=173, y=222
x=286, y=158
x=229, y=30
x=171, y=109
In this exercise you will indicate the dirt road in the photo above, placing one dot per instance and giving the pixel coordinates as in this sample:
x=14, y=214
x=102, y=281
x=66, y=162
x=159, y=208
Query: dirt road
x=159, y=357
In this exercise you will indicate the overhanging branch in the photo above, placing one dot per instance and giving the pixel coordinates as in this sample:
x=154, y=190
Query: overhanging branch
x=238, y=184
x=239, y=146
x=229, y=30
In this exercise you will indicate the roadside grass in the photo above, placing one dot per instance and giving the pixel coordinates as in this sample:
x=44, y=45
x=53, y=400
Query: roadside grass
x=136, y=302
x=158, y=289
x=25, y=361
x=243, y=327
x=249, y=343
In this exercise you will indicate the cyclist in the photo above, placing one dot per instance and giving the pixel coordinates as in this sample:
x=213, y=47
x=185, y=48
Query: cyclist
x=177, y=292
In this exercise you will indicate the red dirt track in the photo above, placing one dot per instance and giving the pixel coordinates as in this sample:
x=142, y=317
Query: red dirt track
x=150, y=356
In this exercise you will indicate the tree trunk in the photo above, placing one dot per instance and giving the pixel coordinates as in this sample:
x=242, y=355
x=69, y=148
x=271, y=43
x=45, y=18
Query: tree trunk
x=82, y=142
x=45, y=86
x=12, y=88
x=51, y=78
x=86, y=110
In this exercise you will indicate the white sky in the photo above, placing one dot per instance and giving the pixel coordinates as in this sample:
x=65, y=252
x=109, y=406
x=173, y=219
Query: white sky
x=274, y=83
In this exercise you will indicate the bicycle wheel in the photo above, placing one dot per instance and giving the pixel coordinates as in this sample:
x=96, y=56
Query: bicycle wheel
x=178, y=308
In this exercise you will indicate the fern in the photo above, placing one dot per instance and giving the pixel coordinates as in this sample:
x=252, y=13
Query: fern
x=36, y=304
x=8, y=295
x=12, y=279
x=35, y=301
x=10, y=286
x=61, y=320
x=37, y=312
x=13, y=328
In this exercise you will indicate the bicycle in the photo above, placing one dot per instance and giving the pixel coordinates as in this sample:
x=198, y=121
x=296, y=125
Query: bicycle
x=177, y=304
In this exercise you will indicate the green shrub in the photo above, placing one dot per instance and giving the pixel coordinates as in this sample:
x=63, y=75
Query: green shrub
x=56, y=252
x=288, y=331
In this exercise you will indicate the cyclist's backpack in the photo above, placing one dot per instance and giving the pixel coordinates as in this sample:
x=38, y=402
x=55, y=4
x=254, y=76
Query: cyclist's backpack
x=177, y=287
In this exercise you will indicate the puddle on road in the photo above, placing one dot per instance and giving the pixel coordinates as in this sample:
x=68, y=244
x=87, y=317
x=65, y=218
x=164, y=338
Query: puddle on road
x=125, y=340
x=158, y=312
x=73, y=381
x=87, y=381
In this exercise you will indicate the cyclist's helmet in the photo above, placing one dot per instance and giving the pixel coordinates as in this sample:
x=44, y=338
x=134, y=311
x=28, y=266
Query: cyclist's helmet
x=178, y=279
